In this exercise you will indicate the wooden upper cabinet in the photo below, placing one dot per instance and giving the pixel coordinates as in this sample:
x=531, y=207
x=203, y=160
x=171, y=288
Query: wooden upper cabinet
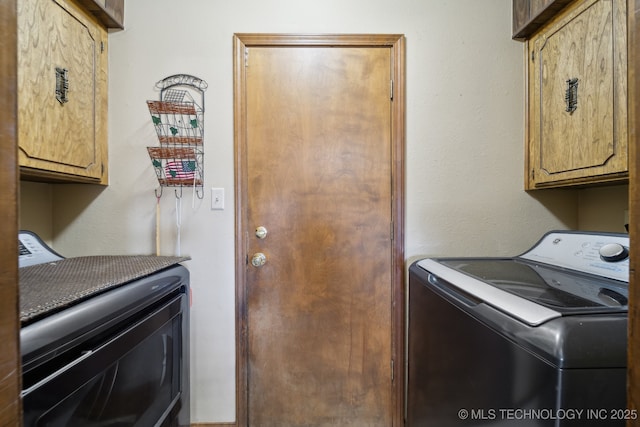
x=530, y=15
x=520, y=13
x=62, y=92
x=109, y=12
x=577, y=112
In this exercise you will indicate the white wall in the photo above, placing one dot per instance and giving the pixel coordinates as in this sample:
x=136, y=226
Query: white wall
x=604, y=208
x=464, y=141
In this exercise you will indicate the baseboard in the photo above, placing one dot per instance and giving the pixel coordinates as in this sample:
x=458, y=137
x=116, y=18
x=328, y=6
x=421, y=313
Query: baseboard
x=213, y=425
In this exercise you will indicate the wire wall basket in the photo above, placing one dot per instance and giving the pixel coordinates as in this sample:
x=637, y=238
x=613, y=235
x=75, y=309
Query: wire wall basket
x=179, y=122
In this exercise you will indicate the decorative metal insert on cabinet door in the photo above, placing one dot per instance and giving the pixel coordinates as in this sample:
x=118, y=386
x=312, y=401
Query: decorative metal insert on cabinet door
x=179, y=123
x=571, y=95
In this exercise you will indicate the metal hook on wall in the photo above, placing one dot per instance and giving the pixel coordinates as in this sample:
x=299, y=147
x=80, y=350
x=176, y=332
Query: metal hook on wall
x=200, y=193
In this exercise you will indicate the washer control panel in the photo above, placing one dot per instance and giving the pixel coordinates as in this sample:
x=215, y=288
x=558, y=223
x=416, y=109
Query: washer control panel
x=602, y=254
x=32, y=250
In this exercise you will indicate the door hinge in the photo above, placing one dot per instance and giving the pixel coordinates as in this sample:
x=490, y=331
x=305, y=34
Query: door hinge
x=391, y=232
x=391, y=90
x=246, y=57
x=393, y=371
x=533, y=56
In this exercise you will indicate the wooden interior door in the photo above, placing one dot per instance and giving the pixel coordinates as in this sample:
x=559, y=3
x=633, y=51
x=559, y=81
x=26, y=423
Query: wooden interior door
x=318, y=174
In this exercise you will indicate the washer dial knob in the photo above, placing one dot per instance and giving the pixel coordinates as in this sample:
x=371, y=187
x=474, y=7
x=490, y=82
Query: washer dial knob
x=612, y=252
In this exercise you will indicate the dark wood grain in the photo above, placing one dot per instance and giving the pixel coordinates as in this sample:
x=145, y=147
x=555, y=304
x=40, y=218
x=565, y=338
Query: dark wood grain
x=530, y=15
x=10, y=409
x=633, y=386
x=109, y=12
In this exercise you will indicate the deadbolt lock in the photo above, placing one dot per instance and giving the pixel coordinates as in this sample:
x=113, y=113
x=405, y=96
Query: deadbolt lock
x=261, y=232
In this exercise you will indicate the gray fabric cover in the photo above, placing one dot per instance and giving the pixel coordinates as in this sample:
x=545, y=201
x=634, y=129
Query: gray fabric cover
x=49, y=287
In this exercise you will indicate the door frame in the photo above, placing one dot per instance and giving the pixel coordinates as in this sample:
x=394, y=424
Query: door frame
x=243, y=41
x=10, y=370
x=633, y=350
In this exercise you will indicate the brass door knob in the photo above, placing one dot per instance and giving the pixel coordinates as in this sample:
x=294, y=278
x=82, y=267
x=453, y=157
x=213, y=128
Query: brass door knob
x=258, y=259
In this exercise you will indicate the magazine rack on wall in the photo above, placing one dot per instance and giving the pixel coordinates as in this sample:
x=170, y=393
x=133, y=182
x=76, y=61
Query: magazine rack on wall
x=179, y=122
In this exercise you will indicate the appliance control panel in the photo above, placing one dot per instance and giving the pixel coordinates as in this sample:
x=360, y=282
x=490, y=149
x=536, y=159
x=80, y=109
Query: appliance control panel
x=32, y=250
x=602, y=254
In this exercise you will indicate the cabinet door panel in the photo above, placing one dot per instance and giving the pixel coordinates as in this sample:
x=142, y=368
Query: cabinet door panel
x=578, y=130
x=578, y=139
x=56, y=135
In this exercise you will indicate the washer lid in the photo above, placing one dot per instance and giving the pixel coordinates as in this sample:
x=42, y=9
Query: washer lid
x=530, y=292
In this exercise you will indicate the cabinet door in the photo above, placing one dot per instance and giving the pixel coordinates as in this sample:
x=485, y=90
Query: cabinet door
x=61, y=135
x=577, y=101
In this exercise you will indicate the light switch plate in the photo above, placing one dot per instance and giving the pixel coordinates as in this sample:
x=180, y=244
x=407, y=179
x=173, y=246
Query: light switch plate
x=217, y=199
